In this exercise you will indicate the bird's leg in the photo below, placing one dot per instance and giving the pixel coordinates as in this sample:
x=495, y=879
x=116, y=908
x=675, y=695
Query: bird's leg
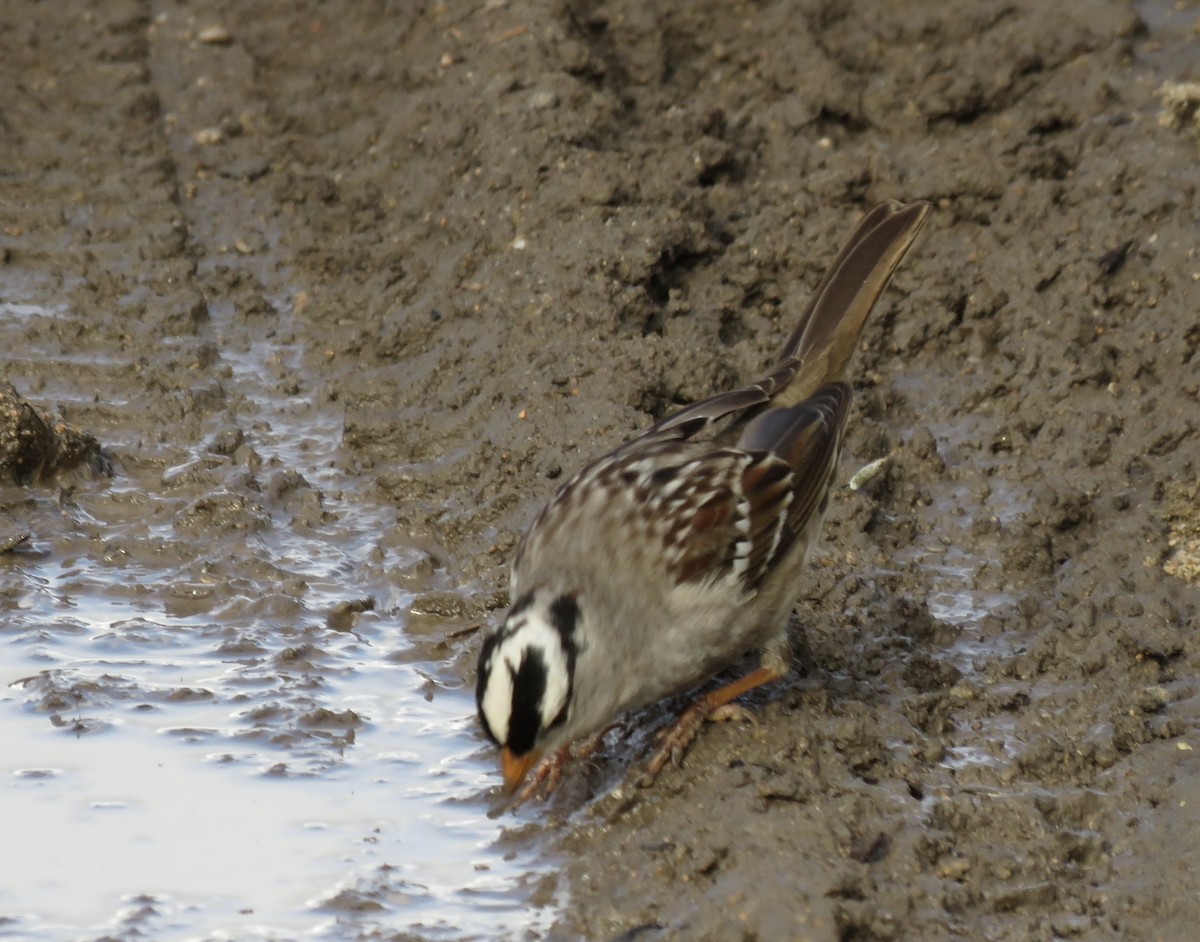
x=674, y=741
x=548, y=773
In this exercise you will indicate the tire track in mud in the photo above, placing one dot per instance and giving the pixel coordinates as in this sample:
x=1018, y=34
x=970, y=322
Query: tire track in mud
x=221, y=616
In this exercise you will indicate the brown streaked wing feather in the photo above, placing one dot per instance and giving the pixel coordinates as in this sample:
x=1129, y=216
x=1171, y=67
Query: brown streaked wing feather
x=708, y=539
x=695, y=495
x=686, y=499
x=816, y=462
x=808, y=438
x=693, y=418
x=767, y=485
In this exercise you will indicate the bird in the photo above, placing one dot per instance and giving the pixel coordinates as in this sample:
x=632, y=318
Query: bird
x=669, y=559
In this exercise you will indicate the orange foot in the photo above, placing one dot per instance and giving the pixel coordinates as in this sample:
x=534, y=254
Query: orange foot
x=674, y=741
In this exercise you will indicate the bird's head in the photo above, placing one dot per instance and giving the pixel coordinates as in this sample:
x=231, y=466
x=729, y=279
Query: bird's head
x=527, y=678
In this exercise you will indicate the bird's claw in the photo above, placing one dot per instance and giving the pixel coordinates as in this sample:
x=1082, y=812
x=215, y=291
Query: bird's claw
x=675, y=739
x=548, y=773
x=545, y=777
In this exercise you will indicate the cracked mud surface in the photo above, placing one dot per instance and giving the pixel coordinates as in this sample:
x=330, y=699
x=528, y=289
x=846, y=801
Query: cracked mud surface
x=344, y=289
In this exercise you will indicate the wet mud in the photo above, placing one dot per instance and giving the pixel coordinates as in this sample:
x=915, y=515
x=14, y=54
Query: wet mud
x=343, y=290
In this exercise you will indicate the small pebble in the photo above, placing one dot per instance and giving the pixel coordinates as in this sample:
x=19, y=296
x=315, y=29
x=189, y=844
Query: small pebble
x=869, y=472
x=206, y=137
x=215, y=36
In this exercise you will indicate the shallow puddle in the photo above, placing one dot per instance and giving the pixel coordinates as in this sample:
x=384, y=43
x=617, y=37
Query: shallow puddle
x=200, y=835
x=197, y=748
x=214, y=793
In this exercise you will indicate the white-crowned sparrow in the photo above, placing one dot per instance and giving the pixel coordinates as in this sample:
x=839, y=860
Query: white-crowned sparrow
x=665, y=561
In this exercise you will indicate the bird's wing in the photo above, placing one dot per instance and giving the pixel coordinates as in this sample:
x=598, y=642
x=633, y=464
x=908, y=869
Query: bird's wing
x=728, y=513
x=807, y=438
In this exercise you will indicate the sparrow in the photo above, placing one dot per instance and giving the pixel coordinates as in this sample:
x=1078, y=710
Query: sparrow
x=667, y=560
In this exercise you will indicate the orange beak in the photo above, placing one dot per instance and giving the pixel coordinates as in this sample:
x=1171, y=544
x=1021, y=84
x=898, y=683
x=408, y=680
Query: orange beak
x=515, y=767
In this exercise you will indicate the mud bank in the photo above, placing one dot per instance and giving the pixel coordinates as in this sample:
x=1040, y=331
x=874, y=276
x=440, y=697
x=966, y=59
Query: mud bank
x=362, y=281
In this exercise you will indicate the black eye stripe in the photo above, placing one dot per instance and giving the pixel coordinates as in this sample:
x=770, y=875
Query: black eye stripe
x=564, y=618
x=486, y=660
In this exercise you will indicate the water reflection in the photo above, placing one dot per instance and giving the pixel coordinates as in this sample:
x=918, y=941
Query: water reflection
x=163, y=782
x=197, y=746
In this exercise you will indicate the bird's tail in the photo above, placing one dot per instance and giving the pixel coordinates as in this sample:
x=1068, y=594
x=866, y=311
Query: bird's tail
x=828, y=329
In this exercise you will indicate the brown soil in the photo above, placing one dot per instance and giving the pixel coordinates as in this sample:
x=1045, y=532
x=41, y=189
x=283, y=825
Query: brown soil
x=498, y=238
